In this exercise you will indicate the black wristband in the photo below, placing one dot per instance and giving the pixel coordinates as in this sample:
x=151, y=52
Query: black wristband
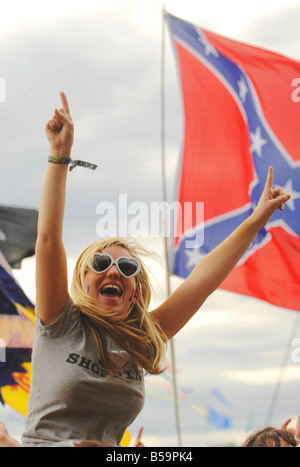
x=59, y=160
x=74, y=163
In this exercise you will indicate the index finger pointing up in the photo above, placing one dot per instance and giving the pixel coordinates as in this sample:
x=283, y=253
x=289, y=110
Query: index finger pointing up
x=64, y=102
x=269, y=181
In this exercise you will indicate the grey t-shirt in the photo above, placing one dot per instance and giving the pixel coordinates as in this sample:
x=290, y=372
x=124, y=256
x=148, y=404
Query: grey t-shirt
x=72, y=397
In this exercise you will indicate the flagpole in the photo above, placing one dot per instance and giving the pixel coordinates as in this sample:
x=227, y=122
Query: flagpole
x=164, y=188
x=281, y=372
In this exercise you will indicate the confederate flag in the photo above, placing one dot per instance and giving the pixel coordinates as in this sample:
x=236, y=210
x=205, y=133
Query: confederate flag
x=240, y=118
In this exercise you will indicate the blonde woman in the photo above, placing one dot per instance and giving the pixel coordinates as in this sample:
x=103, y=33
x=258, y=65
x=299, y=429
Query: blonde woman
x=91, y=350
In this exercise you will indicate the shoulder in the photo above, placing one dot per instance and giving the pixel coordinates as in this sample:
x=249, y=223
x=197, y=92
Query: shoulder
x=68, y=320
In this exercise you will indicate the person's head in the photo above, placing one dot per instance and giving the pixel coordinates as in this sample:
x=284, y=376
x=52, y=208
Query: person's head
x=112, y=289
x=270, y=438
x=94, y=273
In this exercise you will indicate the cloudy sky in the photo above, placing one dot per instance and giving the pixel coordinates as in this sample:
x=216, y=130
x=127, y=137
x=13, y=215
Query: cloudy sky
x=106, y=56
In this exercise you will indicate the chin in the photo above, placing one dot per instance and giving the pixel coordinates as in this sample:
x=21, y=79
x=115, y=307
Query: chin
x=111, y=308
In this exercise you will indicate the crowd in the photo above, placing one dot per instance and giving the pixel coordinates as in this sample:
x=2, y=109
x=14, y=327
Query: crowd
x=269, y=437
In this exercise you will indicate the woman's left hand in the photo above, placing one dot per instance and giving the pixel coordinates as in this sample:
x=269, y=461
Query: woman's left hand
x=270, y=200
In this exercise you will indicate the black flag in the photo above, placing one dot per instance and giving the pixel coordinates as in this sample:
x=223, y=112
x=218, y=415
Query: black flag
x=18, y=232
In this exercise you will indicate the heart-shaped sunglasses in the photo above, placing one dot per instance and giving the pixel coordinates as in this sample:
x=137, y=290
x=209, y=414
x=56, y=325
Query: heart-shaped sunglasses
x=101, y=262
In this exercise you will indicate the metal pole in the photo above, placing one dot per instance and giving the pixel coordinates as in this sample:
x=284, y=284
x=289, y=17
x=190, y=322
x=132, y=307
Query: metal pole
x=281, y=372
x=177, y=421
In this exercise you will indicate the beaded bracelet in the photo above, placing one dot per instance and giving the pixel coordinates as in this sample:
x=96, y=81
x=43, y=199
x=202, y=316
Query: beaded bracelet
x=74, y=163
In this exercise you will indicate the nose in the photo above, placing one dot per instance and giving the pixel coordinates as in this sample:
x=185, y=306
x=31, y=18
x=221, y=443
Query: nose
x=113, y=271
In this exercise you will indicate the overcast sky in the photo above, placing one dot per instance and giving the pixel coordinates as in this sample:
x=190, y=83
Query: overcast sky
x=106, y=56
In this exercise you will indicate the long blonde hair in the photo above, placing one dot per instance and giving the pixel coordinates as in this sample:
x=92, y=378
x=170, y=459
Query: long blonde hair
x=136, y=332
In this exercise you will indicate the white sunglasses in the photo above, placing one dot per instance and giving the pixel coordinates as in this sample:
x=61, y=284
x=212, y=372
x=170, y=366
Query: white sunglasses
x=101, y=262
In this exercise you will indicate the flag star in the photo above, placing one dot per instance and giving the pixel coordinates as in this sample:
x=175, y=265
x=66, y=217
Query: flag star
x=243, y=90
x=257, y=142
x=194, y=256
x=288, y=188
x=208, y=47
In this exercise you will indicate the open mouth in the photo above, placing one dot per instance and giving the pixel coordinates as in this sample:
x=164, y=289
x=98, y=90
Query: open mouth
x=111, y=291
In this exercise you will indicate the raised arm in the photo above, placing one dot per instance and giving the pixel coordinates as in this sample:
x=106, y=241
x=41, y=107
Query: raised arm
x=213, y=269
x=51, y=261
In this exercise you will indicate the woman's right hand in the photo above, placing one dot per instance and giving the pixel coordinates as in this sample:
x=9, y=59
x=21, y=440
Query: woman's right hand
x=60, y=129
